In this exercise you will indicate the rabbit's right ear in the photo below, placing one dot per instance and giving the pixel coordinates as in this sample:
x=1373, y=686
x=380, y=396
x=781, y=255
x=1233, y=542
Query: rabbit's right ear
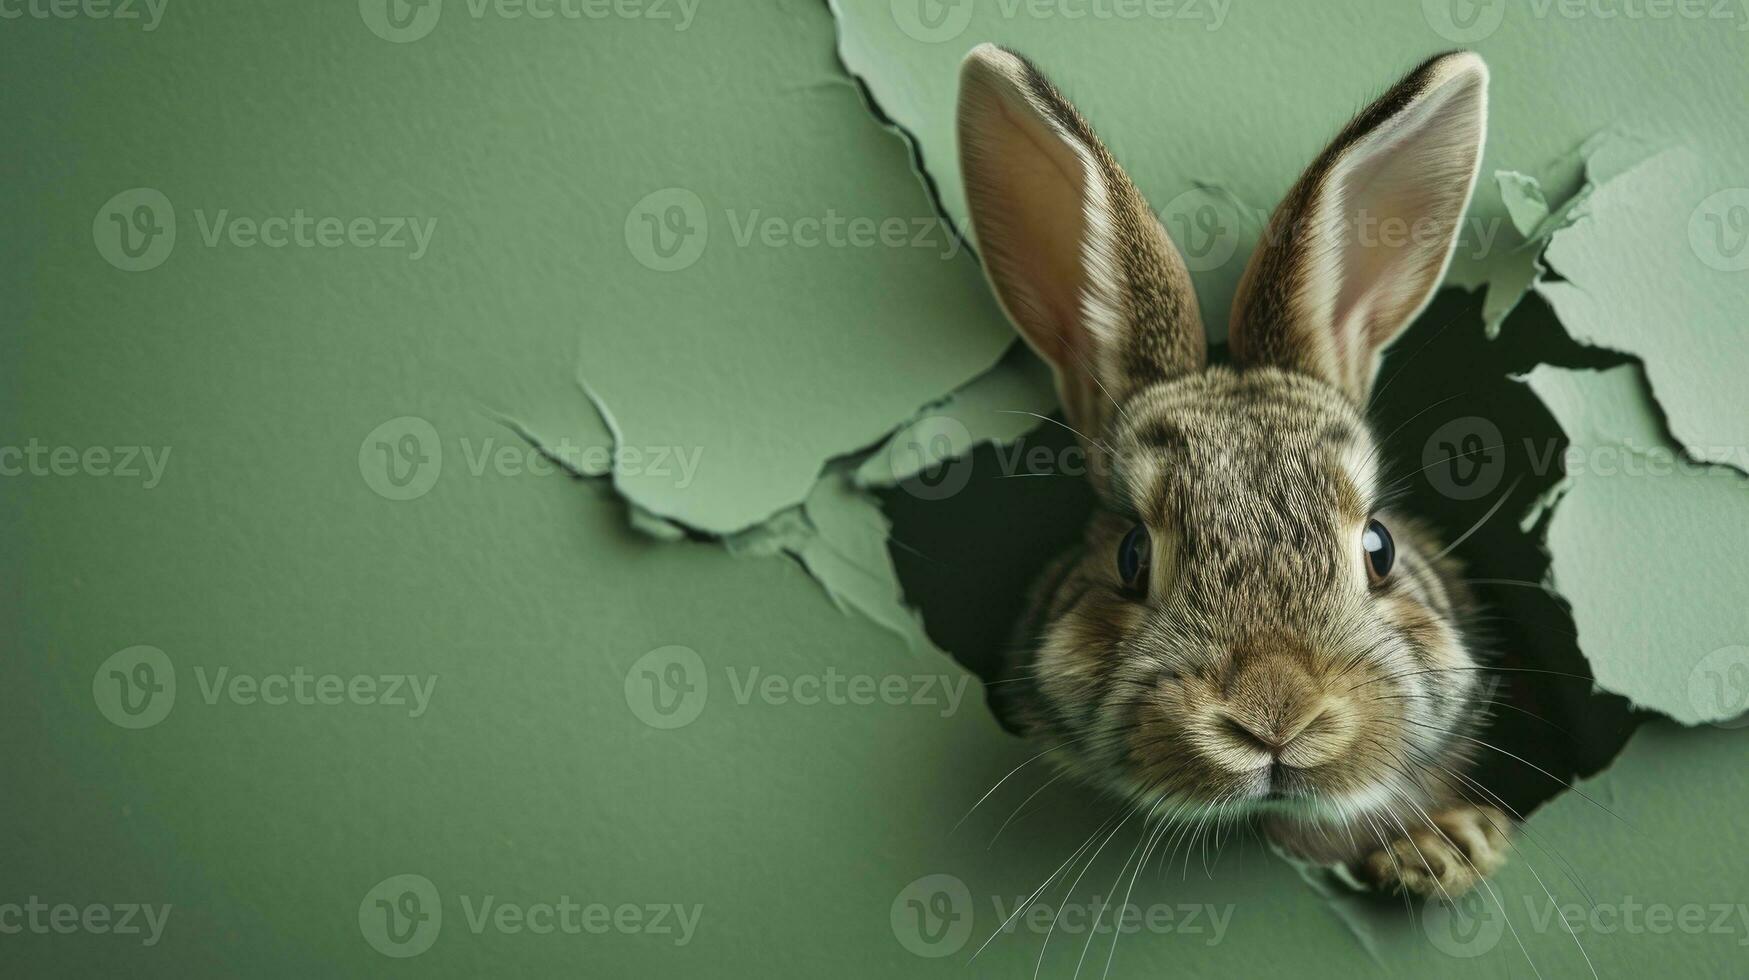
x=1078, y=262
x=1362, y=240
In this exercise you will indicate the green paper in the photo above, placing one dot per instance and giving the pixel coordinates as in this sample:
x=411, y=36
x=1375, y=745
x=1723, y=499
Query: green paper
x=1634, y=522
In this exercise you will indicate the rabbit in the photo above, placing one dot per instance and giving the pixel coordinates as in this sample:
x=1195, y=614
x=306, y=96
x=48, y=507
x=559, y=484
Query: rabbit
x=1245, y=629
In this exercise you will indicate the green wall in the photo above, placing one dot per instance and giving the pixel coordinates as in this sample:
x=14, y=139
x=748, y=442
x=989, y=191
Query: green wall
x=484, y=483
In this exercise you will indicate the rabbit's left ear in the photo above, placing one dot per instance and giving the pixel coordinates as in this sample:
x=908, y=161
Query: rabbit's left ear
x=1360, y=243
x=1078, y=261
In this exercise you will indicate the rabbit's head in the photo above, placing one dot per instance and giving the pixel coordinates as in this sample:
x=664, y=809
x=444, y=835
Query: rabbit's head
x=1245, y=622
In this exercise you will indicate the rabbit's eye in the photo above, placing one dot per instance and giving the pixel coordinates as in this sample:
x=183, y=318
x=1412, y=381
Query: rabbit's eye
x=1133, y=557
x=1381, y=551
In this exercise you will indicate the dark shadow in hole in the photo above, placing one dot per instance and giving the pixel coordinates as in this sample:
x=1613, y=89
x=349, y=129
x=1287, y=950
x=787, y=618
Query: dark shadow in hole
x=967, y=560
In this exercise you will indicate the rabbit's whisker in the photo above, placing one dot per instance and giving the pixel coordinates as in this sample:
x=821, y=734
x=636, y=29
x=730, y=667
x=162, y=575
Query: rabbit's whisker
x=1129, y=812
x=1378, y=447
x=1569, y=786
x=1531, y=867
x=1032, y=796
x=1011, y=772
x=1544, y=586
x=1494, y=799
x=1045, y=884
x=1448, y=549
x=1479, y=667
x=1417, y=353
x=1490, y=701
x=1154, y=836
x=1046, y=418
x=1143, y=835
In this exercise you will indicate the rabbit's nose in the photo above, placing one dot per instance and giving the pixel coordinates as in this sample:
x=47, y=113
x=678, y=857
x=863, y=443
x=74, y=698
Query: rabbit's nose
x=1272, y=737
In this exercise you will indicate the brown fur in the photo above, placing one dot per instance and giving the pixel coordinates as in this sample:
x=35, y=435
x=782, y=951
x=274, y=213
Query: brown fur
x=1262, y=674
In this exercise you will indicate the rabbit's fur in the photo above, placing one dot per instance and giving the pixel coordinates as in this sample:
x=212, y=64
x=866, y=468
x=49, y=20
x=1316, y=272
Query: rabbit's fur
x=1259, y=669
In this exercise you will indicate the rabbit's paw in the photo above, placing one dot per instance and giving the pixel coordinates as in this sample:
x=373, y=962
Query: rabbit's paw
x=1465, y=844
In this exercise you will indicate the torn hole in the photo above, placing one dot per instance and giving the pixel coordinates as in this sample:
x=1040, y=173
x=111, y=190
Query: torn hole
x=967, y=559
